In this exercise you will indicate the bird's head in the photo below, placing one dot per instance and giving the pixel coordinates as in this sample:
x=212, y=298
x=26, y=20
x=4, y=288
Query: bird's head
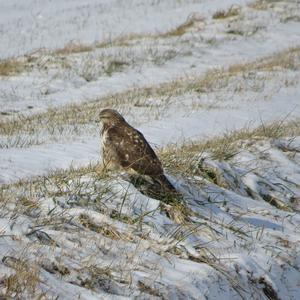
x=110, y=116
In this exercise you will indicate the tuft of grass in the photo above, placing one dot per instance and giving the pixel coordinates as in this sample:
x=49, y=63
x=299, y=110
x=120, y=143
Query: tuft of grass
x=176, y=211
x=123, y=40
x=105, y=229
x=264, y=4
x=72, y=48
x=260, y=4
x=114, y=65
x=186, y=159
x=23, y=282
x=90, y=71
x=11, y=66
x=183, y=28
x=126, y=40
x=287, y=59
x=26, y=205
x=236, y=32
x=97, y=277
x=56, y=183
x=147, y=289
x=224, y=14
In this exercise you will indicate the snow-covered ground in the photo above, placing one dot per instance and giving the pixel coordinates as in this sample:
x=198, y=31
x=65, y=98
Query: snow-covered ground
x=88, y=237
x=181, y=72
x=31, y=25
x=151, y=60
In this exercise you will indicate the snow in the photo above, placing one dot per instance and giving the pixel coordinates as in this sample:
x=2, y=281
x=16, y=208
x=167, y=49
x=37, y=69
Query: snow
x=28, y=26
x=177, y=127
x=194, y=54
x=237, y=243
x=74, y=233
x=273, y=97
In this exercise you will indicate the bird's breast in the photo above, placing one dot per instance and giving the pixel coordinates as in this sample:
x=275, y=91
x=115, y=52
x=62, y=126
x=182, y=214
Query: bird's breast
x=104, y=137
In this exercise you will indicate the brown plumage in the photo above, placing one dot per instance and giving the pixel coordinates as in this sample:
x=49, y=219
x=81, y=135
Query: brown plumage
x=124, y=147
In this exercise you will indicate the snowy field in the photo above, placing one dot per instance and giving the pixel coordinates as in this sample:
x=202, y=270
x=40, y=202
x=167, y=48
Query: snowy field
x=215, y=88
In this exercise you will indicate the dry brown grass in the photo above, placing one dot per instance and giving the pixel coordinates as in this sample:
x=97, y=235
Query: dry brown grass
x=286, y=59
x=126, y=40
x=263, y=4
x=123, y=40
x=15, y=66
x=11, y=66
x=73, y=47
x=87, y=113
x=184, y=159
x=56, y=183
x=105, y=229
x=224, y=14
x=180, y=30
x=23, y=283
x=147, y=289
x=96, y=276
x=260, y=4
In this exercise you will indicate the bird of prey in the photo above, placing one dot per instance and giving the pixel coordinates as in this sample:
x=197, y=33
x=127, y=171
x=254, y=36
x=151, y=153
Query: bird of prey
x=125, y=148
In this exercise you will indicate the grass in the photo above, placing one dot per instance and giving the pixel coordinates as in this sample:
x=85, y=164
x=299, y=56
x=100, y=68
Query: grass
x=183, y=28
x=90, y=65
x=89, y=195
x=266, y=4
x=66, y=184
x=115, y=65
x=96, y=277
x=224, y=14
x=186, y=159
x=56, y=183
x=105, y=229
x=260, y=4
x=126, y=40
x=148, y=289
x=72, y=48
x=87, y=113
x=14, y=66
x=287, y=59
x=11, y=66
x=23, y=282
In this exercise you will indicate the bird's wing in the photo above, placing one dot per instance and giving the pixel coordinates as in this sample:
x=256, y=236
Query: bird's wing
x=133, y=150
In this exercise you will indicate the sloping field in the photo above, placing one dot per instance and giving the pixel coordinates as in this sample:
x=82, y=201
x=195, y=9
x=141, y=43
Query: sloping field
x=214, y=87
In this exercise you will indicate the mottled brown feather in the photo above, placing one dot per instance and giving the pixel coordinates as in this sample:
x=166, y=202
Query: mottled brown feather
x=126, y=147
x=133, y=150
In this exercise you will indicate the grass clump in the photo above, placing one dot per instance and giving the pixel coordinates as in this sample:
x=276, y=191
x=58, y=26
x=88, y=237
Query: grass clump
x=183, y=28
x=72, y=48
x=185, y=159
x=260, y=4
x=114, y=65
x=10, y=66
x=287, y=59
x=23, y=282
x=224, y=14
x=105, y=229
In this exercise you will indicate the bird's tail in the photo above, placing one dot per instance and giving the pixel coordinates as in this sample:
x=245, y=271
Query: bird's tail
x=165, y=183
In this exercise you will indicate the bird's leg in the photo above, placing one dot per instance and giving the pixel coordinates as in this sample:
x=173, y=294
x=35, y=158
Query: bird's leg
x=101, y=169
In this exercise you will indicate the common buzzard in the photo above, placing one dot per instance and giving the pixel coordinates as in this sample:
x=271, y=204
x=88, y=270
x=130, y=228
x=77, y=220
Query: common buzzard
x=125, y=148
